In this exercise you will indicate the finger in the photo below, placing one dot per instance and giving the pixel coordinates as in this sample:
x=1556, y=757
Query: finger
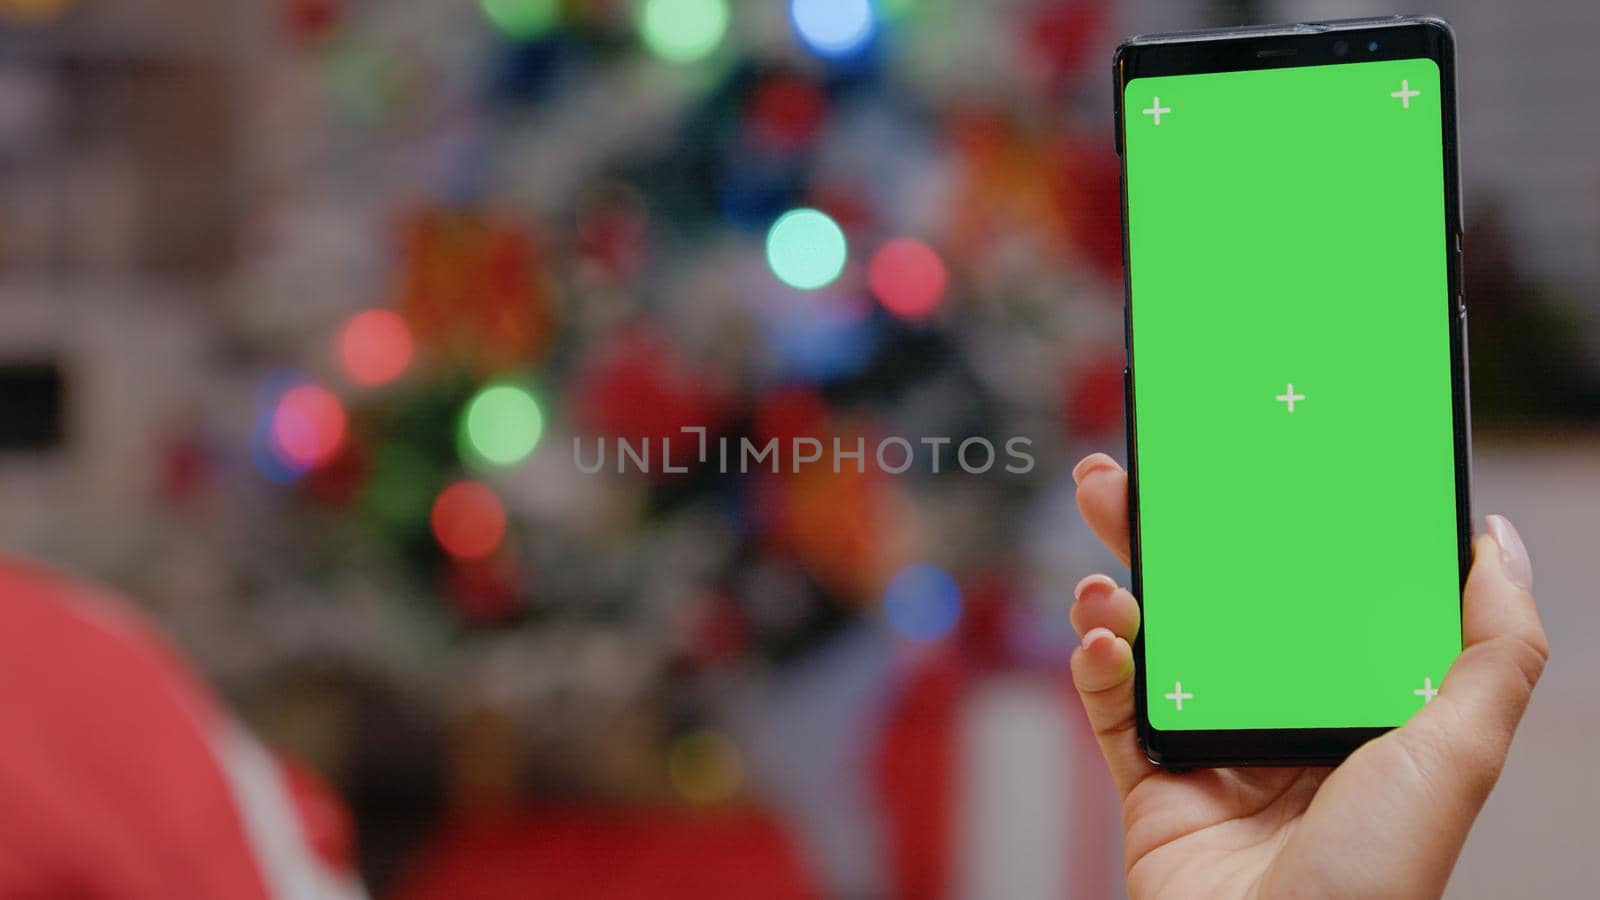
x=1103, y=500
x=1102, y=670
x=1488, y=688
x=1101, y=604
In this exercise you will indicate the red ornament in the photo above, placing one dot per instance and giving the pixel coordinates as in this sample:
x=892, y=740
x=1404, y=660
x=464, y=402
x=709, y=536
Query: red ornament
x=785, y=114
x=613, y=233
x=1094, y=397
x=639, y=388
x=339, y=481
x=788, y=413
x=186, y=470
x=309, y=20
x=717, y=634
x=483, y=590
x=1065, y=35
x=1087, y=192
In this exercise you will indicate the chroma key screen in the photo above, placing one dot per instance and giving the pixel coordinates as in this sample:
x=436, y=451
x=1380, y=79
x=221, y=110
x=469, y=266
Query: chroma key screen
x=1292, y=394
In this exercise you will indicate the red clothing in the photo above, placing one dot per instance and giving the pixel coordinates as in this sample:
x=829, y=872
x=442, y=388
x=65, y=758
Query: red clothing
x=120, y=777
x=600, y=854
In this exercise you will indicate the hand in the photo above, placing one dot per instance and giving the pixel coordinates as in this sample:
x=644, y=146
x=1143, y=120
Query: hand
x=1388, y=822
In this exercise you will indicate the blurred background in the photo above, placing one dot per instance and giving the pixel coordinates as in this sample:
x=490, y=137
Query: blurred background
x=338, y=333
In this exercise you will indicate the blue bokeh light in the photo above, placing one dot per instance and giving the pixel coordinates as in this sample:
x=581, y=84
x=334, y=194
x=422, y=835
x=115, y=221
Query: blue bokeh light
x=269, y=460
x=835, y=29
x=265, y=453
x=817, y=337
x=277, y=383
x=922, y=602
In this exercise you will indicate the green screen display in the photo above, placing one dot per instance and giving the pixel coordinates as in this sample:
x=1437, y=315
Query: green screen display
x=1292, y=380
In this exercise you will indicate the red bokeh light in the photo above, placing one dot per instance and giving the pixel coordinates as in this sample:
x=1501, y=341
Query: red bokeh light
x=375, y=347
x=908, y=278
x=308, y=425
x=469, y=521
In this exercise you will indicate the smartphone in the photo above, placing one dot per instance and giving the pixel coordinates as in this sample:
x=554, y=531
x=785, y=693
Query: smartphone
x=1297, y=416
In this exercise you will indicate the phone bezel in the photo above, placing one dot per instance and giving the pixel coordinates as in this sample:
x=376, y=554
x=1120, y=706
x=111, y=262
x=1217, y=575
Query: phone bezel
x=1274, y=47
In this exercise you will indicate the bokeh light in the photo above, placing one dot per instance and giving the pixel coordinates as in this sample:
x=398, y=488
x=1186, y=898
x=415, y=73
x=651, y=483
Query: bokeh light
x=922, y=602
x=523, y=20
x=705, y=767
x=469, y=521
x=375, y=347
x=33, y=12
x=806, y=249
x=264, y=450
x=501, y=425
x=683, y=31
x=908, y=278
x=834, y=28
x=266, y=455
x=308, y=425
x=895, y=10
x=819, y=337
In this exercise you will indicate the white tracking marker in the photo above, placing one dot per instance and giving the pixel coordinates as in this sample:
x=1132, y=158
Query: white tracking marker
x=1178, y=695
x=1405, y=94
x=1289, y=397
x=1427, y=692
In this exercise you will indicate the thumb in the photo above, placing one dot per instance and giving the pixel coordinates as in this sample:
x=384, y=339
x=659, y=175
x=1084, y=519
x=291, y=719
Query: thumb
x=1504, y=652
x=1404, y=803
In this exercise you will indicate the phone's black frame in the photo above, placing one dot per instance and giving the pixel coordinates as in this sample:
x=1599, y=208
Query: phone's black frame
x=1274, y=47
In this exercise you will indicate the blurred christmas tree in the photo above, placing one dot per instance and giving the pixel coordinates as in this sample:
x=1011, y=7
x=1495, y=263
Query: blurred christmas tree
x=560, y=225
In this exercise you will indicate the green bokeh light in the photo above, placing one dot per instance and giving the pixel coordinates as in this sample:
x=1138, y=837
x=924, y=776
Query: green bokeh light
x=501, y=425
x=806, y=249
x=895, y=9
x=523, y=20
x=683, y=30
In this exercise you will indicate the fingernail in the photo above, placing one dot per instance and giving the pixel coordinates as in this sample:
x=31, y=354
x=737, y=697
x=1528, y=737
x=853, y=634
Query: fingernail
x=1095, y=634
x=1091, y=463
x=1514, y=561
x=1077, y=592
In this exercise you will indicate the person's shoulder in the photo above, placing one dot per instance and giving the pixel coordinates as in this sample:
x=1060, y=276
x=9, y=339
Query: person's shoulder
x=77, y=630
x=76, y=658
x=107, y=748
